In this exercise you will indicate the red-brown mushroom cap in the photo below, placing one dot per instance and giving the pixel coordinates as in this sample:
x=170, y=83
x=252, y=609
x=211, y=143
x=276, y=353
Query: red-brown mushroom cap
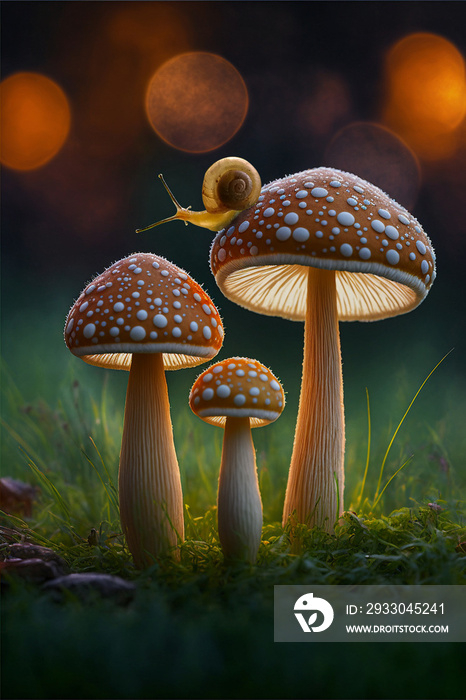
x=330, y=219
x=144, y=304
x=237, y=387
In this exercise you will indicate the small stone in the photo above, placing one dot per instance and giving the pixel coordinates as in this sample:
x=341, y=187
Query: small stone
x=88, y=586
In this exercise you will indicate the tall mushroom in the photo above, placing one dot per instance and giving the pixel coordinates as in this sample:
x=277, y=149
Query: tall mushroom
x=146, y=315
x=238, y=394
x=322, y=246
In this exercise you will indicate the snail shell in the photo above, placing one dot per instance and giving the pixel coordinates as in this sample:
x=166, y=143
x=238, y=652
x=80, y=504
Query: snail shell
x=230, y=184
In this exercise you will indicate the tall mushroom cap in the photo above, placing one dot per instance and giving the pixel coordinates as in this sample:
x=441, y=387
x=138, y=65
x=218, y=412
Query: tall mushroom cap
x=237, y=387
x=144, y=304
x=333, y=220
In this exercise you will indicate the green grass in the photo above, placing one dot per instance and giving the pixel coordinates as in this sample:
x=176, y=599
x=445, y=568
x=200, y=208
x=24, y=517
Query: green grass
x=200, y=627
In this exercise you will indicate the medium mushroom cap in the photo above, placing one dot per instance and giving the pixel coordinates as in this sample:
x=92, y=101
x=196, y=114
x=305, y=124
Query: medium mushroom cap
x=237, y=387
x=330, y=219
x=144, y=304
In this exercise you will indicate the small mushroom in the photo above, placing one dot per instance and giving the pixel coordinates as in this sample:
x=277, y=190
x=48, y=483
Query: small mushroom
x=146, y=315
x=238, y=394
x=323, y=246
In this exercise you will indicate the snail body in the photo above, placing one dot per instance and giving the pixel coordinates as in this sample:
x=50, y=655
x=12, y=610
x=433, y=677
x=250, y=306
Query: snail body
x=230, y=185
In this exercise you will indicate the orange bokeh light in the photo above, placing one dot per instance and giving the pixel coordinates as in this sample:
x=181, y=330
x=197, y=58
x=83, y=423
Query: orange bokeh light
x=426, y=93
x=35, y=120
x=196, y=101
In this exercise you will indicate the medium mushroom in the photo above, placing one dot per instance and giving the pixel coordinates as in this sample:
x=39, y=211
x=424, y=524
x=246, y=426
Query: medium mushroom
x=238, y=394
x=322, y=246
x=146, y=315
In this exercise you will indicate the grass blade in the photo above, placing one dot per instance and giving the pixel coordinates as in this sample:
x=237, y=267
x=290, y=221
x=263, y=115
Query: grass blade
x=402, y=421
x=368, y=448
x=374, y=505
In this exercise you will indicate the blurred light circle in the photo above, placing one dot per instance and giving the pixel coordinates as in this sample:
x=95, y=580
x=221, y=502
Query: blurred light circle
x=426, y=92
x=196, y=101
x=378, y=155
x=35, y=120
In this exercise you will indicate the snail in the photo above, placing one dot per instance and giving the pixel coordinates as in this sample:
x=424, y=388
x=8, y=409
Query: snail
x=230, y=186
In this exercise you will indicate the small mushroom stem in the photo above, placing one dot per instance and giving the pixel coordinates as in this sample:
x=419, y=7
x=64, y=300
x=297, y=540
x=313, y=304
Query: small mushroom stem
x=151, y=501
x=314, y=492
x=239, y=501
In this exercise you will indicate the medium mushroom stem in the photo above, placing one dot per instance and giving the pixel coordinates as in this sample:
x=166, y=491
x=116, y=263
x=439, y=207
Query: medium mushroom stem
x=239, y=502
x=317, y=462
x=151, y=501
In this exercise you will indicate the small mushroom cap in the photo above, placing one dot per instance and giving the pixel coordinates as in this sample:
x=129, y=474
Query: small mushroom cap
x=144, y=304
x=330, y=219
x=238, y=387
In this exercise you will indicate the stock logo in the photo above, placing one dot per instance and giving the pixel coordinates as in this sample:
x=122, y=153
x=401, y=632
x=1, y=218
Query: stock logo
x=307, y=603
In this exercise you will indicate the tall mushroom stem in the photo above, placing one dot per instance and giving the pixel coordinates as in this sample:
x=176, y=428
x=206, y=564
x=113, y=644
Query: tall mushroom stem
x=151, y=501
x=316, y=478
x=239, y=501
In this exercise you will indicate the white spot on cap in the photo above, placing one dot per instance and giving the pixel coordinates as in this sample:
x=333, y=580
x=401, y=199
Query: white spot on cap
x=270, y=211
x=346, y=250
x=424, y=267
x=378, y=226
x=193, y=326
x=239, y=400
x=141, y=315
x=275, y=385
x=291, y=218
x=221, y=255
x=392, y=257
x=176, y=332
x=345, y=218
x=254, y=250
x=206, y=309
x=90, y=289
x=89, y=330
x=207, y=377
x=283, y=233
x=242, y=227
x=153, y=335
x=207, y=333
x=352, y=201
x=84, y=306
x=412, y=256
x=300, y=234
x=421, y=247
x=317, y=192
x=335, y=183
x=364, y=253
x=403, y=219
x=302, y=193
x=114, y=331
x=160, y=321
x=240, y=372
x=223, y=391
x=118, y=307
x=137, y=333
x=384, y=213
x=392, y=232
x=255, y=391
x=207, y=394
x=197, y=296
